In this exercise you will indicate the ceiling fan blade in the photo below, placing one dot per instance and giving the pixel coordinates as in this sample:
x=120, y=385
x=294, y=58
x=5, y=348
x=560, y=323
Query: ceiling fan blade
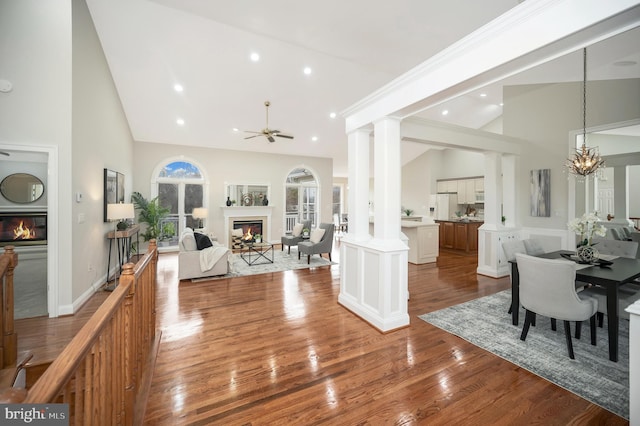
x=282, y=135
x=4, y=153
x=271, y=139
x=254, y=136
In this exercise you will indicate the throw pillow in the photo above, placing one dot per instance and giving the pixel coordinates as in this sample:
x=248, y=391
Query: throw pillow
x=202, y=241
x=237, y=232
x=316, y=235
x=297, y=229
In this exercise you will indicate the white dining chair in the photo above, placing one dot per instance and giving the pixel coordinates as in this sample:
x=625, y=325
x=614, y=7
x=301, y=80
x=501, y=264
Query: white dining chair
x=547, y=287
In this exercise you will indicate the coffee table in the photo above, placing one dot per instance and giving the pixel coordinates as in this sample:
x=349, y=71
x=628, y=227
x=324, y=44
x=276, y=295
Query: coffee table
x=257, y=253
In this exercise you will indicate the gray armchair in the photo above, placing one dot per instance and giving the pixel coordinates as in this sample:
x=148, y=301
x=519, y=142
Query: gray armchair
x=547, y=287
x=325, y=245
x=290, y=240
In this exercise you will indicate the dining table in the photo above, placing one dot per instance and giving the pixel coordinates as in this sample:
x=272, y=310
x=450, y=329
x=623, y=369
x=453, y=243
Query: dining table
x=611, y=277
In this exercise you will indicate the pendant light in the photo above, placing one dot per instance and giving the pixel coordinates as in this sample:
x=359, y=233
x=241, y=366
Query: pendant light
x=586, y=161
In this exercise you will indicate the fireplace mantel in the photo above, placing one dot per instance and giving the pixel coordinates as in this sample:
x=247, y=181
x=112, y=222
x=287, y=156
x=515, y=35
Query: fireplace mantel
x=238, y=212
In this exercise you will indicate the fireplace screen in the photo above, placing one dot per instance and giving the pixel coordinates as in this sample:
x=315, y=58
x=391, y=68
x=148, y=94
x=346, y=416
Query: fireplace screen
x=23, y=228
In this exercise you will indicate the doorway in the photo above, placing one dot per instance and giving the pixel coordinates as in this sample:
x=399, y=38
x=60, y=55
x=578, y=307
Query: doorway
x=301, y=199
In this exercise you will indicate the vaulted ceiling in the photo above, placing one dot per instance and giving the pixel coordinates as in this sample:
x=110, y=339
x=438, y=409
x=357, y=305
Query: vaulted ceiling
x=350, y=48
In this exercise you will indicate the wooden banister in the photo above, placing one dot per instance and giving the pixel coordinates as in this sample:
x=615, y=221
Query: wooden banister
x=99, y=373
x=9, y=340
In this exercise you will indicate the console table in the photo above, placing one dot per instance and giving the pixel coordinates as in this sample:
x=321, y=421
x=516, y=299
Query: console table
x=123, y=245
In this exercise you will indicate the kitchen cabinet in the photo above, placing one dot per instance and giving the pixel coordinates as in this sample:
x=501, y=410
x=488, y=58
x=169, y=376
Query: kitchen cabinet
x=447, y=234
x=459, y=235
x=470, y=191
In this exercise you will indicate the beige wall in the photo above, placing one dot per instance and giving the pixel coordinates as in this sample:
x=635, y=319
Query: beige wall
x=243, y=167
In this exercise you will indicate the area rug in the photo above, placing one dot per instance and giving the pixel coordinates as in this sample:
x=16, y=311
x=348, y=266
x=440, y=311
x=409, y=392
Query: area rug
x=485, y=323
x=281, y=262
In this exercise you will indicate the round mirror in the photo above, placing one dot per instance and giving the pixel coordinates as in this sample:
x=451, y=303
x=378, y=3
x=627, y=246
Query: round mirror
x=22, y=188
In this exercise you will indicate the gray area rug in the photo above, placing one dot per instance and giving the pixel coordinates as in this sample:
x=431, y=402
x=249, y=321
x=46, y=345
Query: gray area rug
x=485, y=323
x=281, y=262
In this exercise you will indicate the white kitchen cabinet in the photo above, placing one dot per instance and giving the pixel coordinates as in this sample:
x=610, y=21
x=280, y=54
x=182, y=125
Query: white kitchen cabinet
x=470, y=191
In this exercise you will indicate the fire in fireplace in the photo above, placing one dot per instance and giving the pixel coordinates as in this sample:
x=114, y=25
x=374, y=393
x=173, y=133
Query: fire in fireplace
x=249, y=228
x=23, y=229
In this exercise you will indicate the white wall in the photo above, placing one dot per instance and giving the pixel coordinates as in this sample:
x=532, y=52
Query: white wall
x=63, y=97
x=36, y=114
x=236, y=167
x=101, y=139
x=545, y=114
x=634, y=196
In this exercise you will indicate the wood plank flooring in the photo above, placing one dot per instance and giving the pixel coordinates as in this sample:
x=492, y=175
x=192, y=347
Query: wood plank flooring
x=278, y=349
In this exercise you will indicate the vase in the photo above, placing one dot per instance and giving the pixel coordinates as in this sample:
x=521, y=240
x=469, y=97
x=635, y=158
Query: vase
x=265, y=201
x=228, y=201
x=587, y=254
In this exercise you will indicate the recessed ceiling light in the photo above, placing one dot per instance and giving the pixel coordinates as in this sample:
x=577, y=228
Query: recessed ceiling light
x=235, y=129
x=180, y=122
x=178, y=87
x=332, y=115
x=314, y=138
x=307, y=70
x=255, y=57
x=445, y=112
x=501, y=103
x=483, y=95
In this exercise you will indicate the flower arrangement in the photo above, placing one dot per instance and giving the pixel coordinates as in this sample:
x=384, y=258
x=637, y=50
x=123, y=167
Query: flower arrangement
x=586, y=227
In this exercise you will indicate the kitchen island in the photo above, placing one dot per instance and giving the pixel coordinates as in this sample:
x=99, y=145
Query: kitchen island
x=423, y=240
x=459, y=234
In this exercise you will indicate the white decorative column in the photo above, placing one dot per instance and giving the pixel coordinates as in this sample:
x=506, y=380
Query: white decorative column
x=358, y=151
x=620, y=194
x=373, y=271
x=499, y=190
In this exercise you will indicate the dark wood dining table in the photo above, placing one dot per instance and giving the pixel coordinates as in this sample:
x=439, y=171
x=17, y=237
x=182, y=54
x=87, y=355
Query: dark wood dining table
x=623, y=270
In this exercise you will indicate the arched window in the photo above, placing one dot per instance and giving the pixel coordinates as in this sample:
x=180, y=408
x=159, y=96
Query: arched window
x=301, y=189
x=179, y=185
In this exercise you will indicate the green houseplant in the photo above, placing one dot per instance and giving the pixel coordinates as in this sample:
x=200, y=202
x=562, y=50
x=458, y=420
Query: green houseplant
x=151, y=213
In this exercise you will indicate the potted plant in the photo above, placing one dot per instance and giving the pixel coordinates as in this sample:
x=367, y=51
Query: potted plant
x=257, y=238
x=168, y=232
x=305, y=233
x=151, y=213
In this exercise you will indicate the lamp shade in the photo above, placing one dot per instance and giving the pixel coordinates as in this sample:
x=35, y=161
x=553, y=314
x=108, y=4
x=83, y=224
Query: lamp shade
x=200, y=213
x=120, y=211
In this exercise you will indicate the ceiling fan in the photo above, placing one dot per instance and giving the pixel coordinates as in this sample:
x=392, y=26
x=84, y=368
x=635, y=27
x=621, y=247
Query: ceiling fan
x=267, y=132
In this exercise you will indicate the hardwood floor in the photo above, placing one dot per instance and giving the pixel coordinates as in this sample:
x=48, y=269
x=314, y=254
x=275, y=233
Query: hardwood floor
x=278, y=349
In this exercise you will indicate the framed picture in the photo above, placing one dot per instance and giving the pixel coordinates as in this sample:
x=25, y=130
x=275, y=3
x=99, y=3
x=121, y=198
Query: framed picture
x=110, y=189
x=120, y=188
x=540, y=183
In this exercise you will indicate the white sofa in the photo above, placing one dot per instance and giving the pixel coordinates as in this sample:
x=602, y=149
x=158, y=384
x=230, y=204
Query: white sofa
x=190, y=259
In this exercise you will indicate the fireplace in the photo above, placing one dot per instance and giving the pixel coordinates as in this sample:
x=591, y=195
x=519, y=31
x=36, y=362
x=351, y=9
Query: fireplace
x=20, y=229
x=253, y=226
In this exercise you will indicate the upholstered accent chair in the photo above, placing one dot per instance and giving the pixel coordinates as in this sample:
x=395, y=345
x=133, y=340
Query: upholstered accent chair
x=294, y=239
x=324, y=245
x=547, y=287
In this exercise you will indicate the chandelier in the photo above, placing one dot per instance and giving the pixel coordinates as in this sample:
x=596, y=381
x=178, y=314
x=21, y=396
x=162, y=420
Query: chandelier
x=585, y=161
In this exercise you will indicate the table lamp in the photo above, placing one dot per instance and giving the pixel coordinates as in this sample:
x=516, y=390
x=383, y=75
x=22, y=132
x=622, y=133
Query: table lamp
x=200, y=213
x=120, y=212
